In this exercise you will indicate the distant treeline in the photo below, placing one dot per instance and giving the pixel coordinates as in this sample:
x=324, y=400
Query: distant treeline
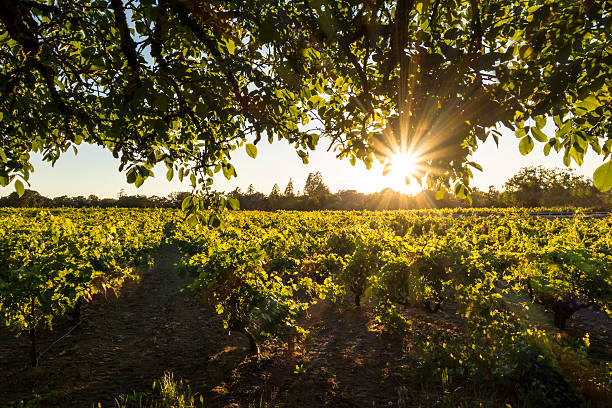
x=31, y=198
x=530, y=187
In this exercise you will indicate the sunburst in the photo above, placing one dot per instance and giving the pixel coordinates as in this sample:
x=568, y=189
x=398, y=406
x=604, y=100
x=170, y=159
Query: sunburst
x=400, y=172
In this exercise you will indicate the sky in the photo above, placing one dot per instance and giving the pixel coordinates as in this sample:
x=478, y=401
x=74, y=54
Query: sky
x=94, y=171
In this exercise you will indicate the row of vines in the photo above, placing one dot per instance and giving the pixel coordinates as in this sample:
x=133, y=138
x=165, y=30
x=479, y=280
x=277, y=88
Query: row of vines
x=262, y=272
x=54, y=262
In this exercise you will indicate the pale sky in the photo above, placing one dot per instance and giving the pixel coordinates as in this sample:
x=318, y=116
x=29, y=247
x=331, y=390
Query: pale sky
x=95, y=171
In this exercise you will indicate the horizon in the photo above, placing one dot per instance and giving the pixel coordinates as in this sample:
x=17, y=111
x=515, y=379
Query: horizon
x=276, y=163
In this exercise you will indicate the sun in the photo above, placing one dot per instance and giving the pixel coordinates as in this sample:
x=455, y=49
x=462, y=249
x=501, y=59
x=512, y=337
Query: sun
x=402, y=172
x=403, y=165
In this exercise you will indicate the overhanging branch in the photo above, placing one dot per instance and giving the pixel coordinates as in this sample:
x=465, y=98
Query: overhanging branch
x=128, y=47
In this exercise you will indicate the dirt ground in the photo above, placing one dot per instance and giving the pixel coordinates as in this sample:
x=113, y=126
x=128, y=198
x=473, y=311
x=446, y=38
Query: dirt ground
x=158, y=325
x=124, y=344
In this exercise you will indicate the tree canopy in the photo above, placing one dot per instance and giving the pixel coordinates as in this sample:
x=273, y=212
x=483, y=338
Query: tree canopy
x=186, y=82
x=315, y=186
x=540, y=187
x=289, y=189
x=275, y=191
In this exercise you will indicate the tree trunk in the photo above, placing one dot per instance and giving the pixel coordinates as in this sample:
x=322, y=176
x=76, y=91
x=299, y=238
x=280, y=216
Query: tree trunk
x=253, y=346
x=560, y=317
x=292, y=340
x=76, y=311
x=33, y=353
x=291, y=345
x=432, y=306
x=357, y=299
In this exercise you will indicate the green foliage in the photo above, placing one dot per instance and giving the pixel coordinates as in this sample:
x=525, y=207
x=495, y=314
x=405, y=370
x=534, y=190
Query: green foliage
x=399, y=281
x=342, y=242
x=186, y=86
x=315, y=187
x=369, y=256
x=485, y=275
x=241, y=279
x=484, y=267
x=538, y=186
x=602, y=178
x=49, y=262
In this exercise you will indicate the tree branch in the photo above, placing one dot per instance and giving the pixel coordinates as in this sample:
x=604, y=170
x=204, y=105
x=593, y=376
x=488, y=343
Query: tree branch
x=128, y=47
x=44, y=8
x=241, y=97
x=156, y=37
x=360, y=71
x=13, y=20
x=476, y=44
x=186, y=19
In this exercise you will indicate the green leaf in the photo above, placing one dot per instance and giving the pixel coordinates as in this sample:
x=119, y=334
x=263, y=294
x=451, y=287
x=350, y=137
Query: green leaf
x=228, y=171
x=547, y=148
x=19, y=187
x=589, y=103
x=144, y=171
x=131, y=175
x=540, y=122
x=170, y=174
x=475, y=165
x=214, y=220
x=526, y=145
x=440, y=194
x=564, y=129
x=186, y=203
x=161, y=101
x=201, y=109
x=539, y=135
x=520, y=132
x=459, y=190
x=139, y=181
x=192, y=220
x=140, y=28
x=526, y=52
x=251, y=150
x=231, y=46
x=577, y=155
x=234, y=203
x=602, y=178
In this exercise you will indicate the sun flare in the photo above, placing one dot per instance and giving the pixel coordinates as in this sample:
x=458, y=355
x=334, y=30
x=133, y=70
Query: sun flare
x=401, y=173
x=403, y=165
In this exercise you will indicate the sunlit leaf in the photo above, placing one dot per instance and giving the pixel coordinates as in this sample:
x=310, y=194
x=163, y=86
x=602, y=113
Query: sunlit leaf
x=251, y=150
x=526, y=145
x=19, y=188
x=602, y=177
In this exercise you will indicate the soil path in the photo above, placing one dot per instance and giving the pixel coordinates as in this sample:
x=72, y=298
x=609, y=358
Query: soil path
x=124, y=344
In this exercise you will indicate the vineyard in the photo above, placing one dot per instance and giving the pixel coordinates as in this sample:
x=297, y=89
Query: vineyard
x=464, y=307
